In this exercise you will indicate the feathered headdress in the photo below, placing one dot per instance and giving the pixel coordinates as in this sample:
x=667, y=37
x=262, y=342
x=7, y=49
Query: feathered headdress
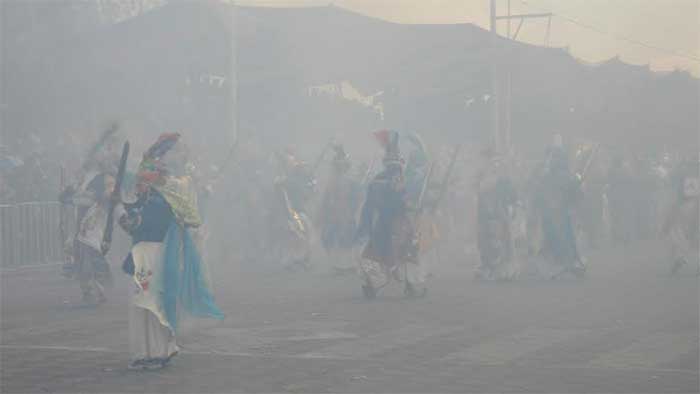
x=163, y=144
x=383, y=137
x=152, y=169
x=177, y=191
x=103, y=140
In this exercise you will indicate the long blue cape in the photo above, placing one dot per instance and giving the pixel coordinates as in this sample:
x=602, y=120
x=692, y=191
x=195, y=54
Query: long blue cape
x=185, y=284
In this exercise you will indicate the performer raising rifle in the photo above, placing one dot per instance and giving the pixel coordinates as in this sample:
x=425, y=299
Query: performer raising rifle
x=114, y=200
x=92, y=197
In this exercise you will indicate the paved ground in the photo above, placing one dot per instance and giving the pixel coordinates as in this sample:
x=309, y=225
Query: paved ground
x=627, y=328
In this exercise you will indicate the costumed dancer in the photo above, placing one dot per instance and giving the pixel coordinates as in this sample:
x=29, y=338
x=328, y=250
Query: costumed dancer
x=591, y=226
x=90, y=266
x=169, y=275
x=682, y=225
x=392, y=248
x=422, y=189
x=431, y=218
x=496, y=210
x=90, y=195
x=203, y=185
x=665, y=195
x=621, y=195
x=337, y=215
x=291, y=224
x=557, y=191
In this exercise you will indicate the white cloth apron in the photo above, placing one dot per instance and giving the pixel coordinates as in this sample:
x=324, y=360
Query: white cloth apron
x=150, y=334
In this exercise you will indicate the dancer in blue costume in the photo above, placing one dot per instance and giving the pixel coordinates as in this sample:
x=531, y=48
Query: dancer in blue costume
x=392, y=250
x=496, y=210
x=164, y=261
x=556, y=193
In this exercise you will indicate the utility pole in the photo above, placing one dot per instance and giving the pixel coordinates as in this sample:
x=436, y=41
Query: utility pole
x=501, y=88
x=2, y=91
x=495, y=91
x=508, y=32
x=233, y=75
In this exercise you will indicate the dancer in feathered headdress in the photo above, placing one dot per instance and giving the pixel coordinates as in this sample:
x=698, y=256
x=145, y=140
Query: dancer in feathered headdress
x=168, y=272
x=390, y=251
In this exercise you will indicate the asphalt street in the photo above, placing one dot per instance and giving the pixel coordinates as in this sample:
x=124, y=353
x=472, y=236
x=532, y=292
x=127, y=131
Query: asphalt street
x=628, y=328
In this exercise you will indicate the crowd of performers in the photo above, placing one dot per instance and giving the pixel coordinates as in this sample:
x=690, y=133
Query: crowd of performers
x=543, y=220
x=386, y=220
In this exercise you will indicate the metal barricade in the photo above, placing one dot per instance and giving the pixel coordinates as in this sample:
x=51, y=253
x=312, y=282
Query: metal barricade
x=29, y=234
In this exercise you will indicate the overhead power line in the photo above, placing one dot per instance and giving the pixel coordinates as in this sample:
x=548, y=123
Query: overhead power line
x=619, y=37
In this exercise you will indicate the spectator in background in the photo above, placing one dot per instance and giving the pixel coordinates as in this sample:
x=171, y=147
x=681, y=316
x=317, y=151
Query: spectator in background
x=6, y=193
x=8, y=164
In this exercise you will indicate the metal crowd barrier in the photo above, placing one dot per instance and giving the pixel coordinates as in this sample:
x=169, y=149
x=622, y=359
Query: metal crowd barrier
x=29, y=234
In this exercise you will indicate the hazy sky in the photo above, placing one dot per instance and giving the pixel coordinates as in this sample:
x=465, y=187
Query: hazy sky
x=615, y=27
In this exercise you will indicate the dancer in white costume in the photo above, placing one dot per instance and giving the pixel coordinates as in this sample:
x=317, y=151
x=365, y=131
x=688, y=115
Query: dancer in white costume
x=168, y=273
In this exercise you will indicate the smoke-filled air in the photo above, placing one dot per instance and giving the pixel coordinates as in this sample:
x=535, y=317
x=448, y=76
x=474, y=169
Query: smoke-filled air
x=390, y=196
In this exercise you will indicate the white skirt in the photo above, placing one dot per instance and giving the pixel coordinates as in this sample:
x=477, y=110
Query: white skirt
x=148, y=339
x=150, y=335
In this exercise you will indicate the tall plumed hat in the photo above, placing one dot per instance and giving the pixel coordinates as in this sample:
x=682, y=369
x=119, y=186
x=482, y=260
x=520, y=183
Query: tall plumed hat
x=152, y=168
x=163, y=144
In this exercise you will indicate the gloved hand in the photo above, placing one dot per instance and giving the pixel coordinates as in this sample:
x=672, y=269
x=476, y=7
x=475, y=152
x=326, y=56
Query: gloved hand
x=130, y=222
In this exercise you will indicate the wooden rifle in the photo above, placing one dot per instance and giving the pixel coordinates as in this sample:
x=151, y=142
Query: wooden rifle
x=100, y=142
x=417, y=234
x=115, y=199
x=424, y=188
